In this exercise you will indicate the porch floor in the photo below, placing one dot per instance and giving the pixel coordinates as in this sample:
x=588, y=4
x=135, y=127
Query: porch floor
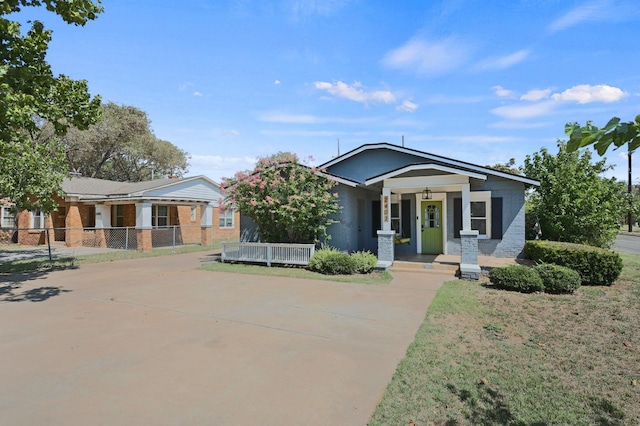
x=453, y=260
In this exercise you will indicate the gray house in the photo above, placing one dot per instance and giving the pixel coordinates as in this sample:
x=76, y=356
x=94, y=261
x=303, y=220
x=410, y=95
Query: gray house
x=400, y=200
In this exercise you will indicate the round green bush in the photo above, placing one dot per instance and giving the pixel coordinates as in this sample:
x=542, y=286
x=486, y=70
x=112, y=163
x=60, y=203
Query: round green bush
x=331, y=261
x=558, y=279
x=516, y=277
x=364, y=261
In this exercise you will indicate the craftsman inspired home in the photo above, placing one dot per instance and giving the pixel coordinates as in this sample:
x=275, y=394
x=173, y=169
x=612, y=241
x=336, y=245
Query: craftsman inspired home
x=400, y=200
x=141, y=215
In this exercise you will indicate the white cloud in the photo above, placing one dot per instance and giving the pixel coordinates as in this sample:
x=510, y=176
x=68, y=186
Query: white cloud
x=502, y=92
x=196, y=93
x=304, y=8
x=286, y=118
x=425, y=57
x=407, y=106
x=585, y=93
x=591, y=11
x=277, y=82
x=355, y=92
x=519, y=112
x=536, y=95
x=502, y=62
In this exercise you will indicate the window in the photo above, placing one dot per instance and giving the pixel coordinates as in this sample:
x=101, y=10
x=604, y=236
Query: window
x=37, y=219
x=226, y=219
x=486, y=215
x=117, y=215
x=160, y=216
x=8, y=217
x=91, y=217
x=395, y=218
x=194, y=213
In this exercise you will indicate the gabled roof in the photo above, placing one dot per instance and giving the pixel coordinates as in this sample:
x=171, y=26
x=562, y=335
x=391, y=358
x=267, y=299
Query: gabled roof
x=413, y=167
x=85, y=187
x=429, y=157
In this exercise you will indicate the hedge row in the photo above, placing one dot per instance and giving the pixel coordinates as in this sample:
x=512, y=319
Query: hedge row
x=596, y=266
x=545, y=277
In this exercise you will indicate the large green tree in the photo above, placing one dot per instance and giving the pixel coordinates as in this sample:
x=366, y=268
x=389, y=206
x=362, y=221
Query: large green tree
x=289, y=201
x=574, y=202
x=30, y=95
x=614, y=132
x=122, y=147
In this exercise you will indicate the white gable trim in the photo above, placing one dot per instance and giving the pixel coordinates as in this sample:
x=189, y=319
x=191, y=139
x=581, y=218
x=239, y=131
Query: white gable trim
x=415, y=167
x=456, y=163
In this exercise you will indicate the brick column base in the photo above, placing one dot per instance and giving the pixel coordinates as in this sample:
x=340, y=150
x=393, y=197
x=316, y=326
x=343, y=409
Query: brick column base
x=205, y=236
x=144, y=240
x=469, y=268
x=386, y=246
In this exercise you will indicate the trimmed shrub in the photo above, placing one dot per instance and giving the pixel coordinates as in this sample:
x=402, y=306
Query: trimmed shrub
x=364, y=261
x=516, y=277
x=558, y=279
x=596, y=266
x=331, y=261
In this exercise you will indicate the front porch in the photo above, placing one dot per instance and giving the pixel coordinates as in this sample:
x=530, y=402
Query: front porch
x=445, y=263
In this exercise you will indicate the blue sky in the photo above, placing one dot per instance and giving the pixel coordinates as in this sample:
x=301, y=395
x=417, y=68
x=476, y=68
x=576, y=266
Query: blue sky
x=480, y=81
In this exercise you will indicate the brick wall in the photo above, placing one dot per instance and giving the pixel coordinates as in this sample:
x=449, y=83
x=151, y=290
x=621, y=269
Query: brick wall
x=226, y=233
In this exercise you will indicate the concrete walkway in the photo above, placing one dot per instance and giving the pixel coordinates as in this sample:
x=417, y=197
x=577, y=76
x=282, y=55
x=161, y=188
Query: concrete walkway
x=156, y=341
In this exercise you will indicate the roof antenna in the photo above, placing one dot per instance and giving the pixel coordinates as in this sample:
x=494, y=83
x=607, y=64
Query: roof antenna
x=403, y=141
x=338, y=147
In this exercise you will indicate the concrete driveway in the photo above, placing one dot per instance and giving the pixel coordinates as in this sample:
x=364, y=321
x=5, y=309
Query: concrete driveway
x=156, y=341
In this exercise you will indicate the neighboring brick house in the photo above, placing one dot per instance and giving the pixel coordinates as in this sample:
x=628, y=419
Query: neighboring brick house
x=151, y=211
x=400, y=200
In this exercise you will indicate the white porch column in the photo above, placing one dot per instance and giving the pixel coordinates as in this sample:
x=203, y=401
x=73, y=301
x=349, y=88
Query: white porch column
x=386, y=209
x=143, y=215
x=103, y=216
x=466, y=207
x=206, y=215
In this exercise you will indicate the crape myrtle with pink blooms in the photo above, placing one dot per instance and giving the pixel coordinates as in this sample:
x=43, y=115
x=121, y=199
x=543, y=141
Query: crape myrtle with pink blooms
x=289, y=201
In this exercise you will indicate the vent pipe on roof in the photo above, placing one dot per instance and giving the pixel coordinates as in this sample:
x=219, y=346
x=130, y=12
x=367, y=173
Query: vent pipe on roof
x=338, y=147
x=403, y=141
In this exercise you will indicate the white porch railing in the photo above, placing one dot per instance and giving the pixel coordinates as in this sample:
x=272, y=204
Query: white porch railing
x=289, y=254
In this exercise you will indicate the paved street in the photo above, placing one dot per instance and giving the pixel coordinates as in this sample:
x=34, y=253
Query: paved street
x=158, y=342
x=627, y=243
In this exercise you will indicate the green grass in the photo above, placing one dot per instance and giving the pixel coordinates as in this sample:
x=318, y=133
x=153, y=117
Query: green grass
x=489, y=357
x=295, y=272
x=635, y=230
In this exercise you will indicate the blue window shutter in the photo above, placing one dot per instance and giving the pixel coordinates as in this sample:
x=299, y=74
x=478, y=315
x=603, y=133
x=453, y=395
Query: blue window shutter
x=496, y=218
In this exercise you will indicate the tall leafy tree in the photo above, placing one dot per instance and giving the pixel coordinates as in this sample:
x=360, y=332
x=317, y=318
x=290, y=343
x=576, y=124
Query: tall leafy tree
x=574, y=202
x=31, y=171
x=289, y=201
x=614, y=132
x=122, y=147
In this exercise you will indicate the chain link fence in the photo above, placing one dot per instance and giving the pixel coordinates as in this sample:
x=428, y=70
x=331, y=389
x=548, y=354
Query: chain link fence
x=24, y=244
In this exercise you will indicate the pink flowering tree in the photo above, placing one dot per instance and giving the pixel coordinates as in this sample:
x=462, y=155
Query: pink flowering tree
x=288, y=200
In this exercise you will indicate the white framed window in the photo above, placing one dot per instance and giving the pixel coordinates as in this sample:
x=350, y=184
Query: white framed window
x=194, y=213
x=226, y=219
x=117, y=215
x=37, y=219
x=160, y=216
x=481, y=213
x=8, y=217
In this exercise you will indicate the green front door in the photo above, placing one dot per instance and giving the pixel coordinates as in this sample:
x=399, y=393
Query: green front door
x=432, y=227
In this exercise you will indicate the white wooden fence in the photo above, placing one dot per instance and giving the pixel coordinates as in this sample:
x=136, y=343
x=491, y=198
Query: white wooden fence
x=289, y=254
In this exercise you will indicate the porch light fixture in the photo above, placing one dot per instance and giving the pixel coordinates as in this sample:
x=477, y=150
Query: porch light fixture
x=426, y=194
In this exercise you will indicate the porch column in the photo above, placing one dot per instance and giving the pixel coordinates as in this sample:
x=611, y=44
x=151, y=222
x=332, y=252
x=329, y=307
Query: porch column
x=73, y=223
x=143, y=227
x=386, y=209
x=469, y=268
x=206, y=225
x=103, y=215
x=466, y=207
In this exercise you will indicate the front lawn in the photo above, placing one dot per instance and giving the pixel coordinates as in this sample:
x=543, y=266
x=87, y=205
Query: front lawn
x=491, y=357
x=294, y=272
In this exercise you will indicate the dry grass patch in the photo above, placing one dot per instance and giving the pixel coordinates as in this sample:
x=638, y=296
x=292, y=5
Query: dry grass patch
x=486, y=356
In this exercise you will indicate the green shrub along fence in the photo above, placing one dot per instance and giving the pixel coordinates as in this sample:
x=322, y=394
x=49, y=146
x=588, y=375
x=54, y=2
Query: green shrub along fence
x=596, y=266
